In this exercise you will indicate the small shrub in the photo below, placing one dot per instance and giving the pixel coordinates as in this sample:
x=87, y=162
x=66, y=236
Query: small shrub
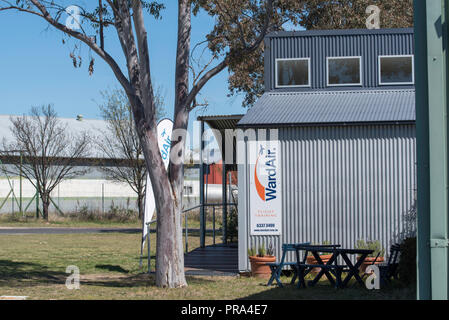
x=407, y=262
x=261, y=252
x=376, y=246
x=114, y=214
x=270, y=250
x=232, y=224
x=324, y=243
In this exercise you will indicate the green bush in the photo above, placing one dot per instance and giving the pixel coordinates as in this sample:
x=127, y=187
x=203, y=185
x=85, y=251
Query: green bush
x=270, y=250
x=232, y=224
x=261, y=252
x=407, y=262
x=251, y=252
x=376, y=246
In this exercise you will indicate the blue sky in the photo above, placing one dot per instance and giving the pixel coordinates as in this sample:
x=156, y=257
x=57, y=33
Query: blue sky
x=35, y=67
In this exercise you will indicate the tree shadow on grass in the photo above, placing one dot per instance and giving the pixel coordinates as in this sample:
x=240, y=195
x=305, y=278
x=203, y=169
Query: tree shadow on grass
x=135, y=281
x=112, y=268
x=15, y=274
x=324, y=291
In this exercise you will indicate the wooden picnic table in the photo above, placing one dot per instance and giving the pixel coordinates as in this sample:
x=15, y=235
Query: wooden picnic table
x=331, y=267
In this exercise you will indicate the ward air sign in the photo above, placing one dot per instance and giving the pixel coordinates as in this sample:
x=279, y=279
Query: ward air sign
x=265, y=189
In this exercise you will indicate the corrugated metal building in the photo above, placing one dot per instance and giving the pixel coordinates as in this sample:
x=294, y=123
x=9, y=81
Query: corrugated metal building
x=346, y=130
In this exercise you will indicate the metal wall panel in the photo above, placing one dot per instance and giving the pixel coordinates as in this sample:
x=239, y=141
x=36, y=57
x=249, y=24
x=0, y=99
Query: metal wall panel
x=340, y=184
x=368, y=44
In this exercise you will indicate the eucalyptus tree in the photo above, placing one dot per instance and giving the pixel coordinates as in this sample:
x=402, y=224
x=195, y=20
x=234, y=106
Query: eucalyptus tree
x=237, y=35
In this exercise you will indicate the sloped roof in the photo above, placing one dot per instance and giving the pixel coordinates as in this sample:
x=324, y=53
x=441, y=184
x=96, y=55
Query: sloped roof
x=331, y=107
x=221, y=122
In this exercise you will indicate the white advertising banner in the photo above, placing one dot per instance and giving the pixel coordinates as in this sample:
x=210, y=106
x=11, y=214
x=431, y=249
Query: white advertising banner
x=164, y=131
x=265, y=189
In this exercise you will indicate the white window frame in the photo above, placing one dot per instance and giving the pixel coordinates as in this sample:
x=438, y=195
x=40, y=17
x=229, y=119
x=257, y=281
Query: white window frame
x=293, y=86
x=344, y=84
x=396, y=83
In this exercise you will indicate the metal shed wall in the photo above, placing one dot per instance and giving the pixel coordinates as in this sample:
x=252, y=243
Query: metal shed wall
x=317, y=45
x=340, y=184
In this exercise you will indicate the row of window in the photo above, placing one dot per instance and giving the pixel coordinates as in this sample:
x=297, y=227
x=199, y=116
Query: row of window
x=345, y=71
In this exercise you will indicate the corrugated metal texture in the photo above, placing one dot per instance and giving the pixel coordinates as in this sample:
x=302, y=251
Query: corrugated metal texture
x=221, y=122
x=340, y=184
x=296, y=108
x=321, y=44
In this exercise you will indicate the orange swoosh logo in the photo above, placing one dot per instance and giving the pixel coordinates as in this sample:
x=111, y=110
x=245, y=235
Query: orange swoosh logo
x=259, y=187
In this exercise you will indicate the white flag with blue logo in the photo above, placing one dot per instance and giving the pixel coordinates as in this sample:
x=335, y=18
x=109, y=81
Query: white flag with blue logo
x=164, y=131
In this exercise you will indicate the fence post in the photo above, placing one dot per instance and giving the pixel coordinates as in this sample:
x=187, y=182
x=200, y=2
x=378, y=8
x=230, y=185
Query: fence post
x=102, y=198
x=149, y=247
x=186, y=227
x=20, y=183
x=12, y=202
x=37, y=204
x=213, y=223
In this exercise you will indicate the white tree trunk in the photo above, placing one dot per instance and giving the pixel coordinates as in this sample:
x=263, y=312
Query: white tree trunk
x=169, y=249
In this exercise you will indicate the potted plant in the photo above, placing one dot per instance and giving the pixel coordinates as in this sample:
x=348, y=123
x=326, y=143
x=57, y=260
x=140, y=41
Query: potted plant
x=378, y=251
x=324, y=257
x=259, y=267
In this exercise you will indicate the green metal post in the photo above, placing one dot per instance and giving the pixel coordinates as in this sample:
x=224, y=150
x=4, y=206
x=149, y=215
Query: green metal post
x=432, y=147
x=202, y=212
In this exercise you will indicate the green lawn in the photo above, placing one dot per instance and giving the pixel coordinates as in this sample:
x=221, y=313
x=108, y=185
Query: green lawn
x=34, y=266
x=16, y=221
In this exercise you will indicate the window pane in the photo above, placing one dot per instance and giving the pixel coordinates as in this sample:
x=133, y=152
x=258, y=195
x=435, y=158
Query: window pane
x=344, y=71
x=292, y=72
x=396, y=70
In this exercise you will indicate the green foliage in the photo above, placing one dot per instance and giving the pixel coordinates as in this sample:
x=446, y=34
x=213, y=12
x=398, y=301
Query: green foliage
x=154, y=8
x=351, y=14
x=324, y=243
x=376, y=246
x=232, y=230
x=261, y=252
x=407, y=262
x=270, y=250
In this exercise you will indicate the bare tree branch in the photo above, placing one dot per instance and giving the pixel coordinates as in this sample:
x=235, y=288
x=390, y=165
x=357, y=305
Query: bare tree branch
x=49, y=151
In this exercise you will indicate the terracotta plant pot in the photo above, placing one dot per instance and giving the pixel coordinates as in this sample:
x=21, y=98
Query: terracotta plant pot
x=312, y=260
x=259, y=268
x=369, y=261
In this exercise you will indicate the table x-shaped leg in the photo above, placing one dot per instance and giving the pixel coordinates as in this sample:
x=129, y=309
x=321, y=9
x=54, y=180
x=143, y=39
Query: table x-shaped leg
x=323, y=271
x=353, y=269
